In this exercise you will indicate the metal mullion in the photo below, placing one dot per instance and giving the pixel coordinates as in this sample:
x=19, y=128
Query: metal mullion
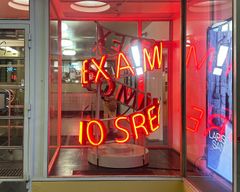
x=236, y=96
x=183, y=87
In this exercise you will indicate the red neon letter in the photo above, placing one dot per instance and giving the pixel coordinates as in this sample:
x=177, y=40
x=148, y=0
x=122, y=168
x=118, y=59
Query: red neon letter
x=110, y=88
x=100, y=69
x=81, y=137
x=198, y=65
x=85, y=72
x=156, y=61
x=196, y=120
x=126, y=95
x=119, y=68
x=138, y=121
x=127, y=137
x=153, y=112
x=89, y=132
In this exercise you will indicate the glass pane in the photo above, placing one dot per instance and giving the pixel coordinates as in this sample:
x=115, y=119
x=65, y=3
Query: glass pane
x=209, y=94
x=107, y=80
x=14, y=9
x=12, y=75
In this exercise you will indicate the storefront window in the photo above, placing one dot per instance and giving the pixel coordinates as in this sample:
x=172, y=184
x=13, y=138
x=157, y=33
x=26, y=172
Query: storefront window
x=14, y=9
x=209, y=94
x=114, y=85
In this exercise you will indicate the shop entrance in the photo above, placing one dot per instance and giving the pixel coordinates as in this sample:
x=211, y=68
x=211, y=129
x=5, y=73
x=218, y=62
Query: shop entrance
x=14, y=99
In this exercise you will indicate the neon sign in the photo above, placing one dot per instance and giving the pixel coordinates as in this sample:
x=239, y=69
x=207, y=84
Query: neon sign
x=141, y=122
x=151, y=62
x=144, y=121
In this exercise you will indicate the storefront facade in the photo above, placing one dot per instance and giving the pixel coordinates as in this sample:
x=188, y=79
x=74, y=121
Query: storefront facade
x=126, y=95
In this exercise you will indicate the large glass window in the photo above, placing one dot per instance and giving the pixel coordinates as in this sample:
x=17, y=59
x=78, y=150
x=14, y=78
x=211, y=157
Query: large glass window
x=209, y=102
x=114, y=85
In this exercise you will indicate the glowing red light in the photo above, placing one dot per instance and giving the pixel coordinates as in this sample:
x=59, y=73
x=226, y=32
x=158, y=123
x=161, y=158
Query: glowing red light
x=156, y=59
x=138, y=123
x=198, y=65
x=122, y=57
x=85, y=72
x=90, y=135
x=100, y=69
x=122, y=129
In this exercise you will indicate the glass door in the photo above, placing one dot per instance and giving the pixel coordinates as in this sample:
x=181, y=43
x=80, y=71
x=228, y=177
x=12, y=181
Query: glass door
x=14, y=59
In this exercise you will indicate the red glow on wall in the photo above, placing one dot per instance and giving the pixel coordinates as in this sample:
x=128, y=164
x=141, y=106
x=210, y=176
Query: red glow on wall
x=196, y=119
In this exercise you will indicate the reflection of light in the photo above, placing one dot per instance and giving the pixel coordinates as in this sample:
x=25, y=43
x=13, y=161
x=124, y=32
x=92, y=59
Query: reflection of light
x=139, y=71
x=136, y=55
x=188, y=43
x=230, y=26
x=90, y=6
x=225, y=28
x=222, y=54
x=217, y=71
x=209, y=3
x=64, y=27
x=69, y=52
x=67, y=43
x=19, y=4
x=55, y=64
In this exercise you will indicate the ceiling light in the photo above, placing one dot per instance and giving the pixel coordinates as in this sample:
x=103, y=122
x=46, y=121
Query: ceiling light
x=90, y=6
x=69, y=52
x=67, y=43
x=136, y=55
x=19, y=4
x=139, y=71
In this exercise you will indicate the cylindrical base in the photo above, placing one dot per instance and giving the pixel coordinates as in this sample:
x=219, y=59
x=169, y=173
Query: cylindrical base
x=116, y=155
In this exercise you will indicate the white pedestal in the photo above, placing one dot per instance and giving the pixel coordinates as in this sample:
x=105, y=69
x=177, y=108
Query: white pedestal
x=116, y=155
